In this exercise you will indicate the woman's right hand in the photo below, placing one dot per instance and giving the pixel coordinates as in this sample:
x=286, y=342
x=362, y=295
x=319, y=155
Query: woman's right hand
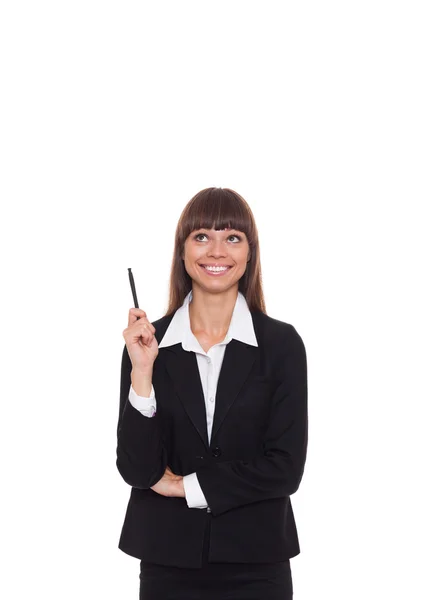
x=141, y=342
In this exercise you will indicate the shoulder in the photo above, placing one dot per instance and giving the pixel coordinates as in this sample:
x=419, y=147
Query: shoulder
x=274, y=329
x=282, y=347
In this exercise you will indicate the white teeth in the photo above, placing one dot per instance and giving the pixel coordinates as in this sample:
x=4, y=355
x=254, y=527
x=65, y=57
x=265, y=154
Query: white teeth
x=216, y=268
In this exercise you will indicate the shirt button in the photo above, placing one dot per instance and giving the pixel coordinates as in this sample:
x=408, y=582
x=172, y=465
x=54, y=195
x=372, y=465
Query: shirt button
x=208, y=359
x=211, y=399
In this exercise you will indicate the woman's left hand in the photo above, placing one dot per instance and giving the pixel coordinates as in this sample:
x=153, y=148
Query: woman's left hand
x=170, y=485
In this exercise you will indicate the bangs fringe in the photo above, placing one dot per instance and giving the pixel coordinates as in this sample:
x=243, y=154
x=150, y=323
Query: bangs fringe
x=216, y=208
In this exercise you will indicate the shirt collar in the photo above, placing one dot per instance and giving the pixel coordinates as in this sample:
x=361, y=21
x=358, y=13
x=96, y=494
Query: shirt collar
x=179, y=330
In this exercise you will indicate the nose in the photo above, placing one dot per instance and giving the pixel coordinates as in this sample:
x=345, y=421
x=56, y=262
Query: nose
x=217, y=249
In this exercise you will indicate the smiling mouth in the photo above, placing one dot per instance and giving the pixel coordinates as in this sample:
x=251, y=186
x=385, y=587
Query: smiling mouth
x=216, y=271
x=217, y=266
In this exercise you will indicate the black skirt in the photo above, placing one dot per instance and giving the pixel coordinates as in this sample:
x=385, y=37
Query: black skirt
x=216, y=581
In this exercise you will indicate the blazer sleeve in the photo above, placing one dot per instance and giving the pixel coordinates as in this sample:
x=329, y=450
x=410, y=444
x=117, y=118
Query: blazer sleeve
x=141, y=452
x=279, y=470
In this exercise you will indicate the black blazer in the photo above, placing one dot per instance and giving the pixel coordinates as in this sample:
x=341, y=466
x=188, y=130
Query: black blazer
x=253, y=464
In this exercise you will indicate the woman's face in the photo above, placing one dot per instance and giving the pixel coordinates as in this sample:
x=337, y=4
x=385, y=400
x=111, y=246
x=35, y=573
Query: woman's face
x=224, y=248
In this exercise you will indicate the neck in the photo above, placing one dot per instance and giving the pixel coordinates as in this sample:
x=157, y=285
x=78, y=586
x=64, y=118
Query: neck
x=210, y=313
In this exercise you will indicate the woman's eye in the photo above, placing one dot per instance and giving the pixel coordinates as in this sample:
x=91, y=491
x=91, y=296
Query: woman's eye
x=204, y=234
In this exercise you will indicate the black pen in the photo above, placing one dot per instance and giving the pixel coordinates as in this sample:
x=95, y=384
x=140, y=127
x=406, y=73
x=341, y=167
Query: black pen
x=132, y=285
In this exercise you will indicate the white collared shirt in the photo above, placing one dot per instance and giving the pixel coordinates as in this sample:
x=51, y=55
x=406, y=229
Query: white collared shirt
x=209, y=364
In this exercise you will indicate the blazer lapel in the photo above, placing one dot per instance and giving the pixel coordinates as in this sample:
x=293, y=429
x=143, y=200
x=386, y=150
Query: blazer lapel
x=236, y=367
x=183, y=369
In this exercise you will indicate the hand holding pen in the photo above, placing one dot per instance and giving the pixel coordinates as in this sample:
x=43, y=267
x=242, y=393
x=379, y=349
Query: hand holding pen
x=139, y=336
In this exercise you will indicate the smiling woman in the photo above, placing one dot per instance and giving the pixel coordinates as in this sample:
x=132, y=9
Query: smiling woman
x=217, y=448
x=217, y=254
x=217, y=228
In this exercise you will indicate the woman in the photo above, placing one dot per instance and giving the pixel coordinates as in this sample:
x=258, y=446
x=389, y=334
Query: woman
x=212, y=429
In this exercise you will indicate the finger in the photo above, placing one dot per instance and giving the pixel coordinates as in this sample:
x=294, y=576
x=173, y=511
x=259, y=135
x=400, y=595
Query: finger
x=142, y=321
x=142, y=327
x=135, y=314
x=136, y=326
x=146, y=334
x=145, y=329
x=175, y=477
x=142, y=332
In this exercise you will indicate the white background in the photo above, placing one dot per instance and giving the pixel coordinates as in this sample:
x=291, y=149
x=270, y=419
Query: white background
x=113, y=115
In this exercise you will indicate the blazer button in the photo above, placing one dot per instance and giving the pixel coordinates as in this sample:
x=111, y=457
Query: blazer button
x=216, y=451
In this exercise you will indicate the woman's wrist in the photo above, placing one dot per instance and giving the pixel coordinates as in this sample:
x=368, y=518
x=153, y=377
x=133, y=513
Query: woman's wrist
x=179, y=488
x=142, y=382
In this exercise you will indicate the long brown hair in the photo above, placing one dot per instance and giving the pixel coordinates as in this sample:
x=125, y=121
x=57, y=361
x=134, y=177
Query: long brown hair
x=216, y=208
